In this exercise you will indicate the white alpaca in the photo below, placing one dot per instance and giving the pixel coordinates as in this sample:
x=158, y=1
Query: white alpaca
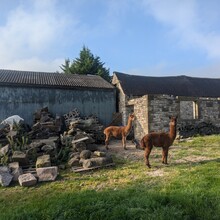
x=12, y=120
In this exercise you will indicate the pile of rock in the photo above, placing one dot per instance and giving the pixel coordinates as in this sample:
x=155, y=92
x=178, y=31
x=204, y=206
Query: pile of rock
x=34, y=154
x=80, y=161
x=73, y=115
x=201, y=128
x=14, y=172
x=39, y=147
x=45, y=125
x=89, y=124
x=83, y=151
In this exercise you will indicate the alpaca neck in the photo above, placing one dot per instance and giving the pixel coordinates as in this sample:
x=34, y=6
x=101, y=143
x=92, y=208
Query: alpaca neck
x=172, y=132
x=128, y=126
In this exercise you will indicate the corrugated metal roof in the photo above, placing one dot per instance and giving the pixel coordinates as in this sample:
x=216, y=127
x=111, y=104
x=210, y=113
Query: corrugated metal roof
x=47, y=79
x=172, y=85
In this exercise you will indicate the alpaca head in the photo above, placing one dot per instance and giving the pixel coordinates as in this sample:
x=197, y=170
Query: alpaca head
x=173, y=120
x=132, y=116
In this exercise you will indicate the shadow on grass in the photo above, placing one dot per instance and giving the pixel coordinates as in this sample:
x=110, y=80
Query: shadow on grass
x=157, y=165
x=134, y=202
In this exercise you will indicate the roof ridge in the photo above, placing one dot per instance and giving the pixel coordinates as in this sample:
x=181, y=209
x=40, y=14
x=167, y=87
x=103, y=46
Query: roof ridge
x=175, y=85
x=170, y=76
x=54, y=79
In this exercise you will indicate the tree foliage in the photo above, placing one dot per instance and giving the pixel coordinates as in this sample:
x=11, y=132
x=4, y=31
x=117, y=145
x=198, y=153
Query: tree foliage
x=87, y=63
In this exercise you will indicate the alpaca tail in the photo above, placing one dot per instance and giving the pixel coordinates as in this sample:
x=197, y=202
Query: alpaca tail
x=142, y=144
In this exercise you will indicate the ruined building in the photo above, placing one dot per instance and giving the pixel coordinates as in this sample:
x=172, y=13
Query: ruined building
x=154, y=99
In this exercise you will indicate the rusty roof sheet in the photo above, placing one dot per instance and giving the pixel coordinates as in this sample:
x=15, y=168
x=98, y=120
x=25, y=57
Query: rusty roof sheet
x=47, y=79
x=171, y=85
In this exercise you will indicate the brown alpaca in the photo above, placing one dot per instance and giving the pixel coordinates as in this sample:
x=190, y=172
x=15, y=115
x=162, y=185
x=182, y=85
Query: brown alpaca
x=159, y=139
x=117, y=132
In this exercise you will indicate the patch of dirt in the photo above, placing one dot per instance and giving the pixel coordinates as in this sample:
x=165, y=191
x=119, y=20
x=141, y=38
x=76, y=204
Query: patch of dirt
x=115, y=148
x=156, y=173
x=193, y=159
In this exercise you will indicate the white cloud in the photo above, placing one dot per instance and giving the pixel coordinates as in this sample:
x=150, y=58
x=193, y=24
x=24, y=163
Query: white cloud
x=186, y=20
x=35, y=64
x=30, y=33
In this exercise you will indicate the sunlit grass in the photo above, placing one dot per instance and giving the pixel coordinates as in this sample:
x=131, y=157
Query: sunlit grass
x=187, y=188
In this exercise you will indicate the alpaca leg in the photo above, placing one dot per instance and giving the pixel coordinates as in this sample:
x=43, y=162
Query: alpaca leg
x=124, y=143
x=147, y=154
x=107, y=142
x=164, y=155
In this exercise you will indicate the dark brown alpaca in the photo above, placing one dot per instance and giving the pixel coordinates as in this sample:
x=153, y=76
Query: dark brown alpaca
x=159, y=139
x=119, y=132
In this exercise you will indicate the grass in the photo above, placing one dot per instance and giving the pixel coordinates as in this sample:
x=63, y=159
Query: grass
x=188, y=188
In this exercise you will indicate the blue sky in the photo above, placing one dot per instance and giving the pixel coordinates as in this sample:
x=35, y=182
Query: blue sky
x=141, y=37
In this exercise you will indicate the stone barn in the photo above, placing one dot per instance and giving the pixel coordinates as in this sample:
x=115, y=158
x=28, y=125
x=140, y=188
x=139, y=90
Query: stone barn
x=154, y=99
x=24, y=92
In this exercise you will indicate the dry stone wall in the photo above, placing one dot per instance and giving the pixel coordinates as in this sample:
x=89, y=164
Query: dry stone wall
x=210, y=111
x=153, y=111
x=141, y=113
x=186, y=110
x=160, y=108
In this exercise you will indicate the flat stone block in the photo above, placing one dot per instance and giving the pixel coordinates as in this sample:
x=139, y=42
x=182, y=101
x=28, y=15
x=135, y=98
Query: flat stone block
x=43, y=161
x=27, y=179
x=47, y=173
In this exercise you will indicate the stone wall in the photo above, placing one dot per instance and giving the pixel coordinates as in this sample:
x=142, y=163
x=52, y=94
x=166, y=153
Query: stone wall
x=210, y=111
x=141, y=113
x=186, y=110
x=122, y=100
x=160, y=108
x=124, y=107
x=153, y=111
x=202, y=110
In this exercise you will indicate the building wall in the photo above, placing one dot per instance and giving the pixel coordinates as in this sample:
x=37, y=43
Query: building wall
x=153, y=111
x=24, y=101
x=161, y=107
x=210, y=111
x=186, y=110
x=203, y=109
x=141, y=125
x=122, y=106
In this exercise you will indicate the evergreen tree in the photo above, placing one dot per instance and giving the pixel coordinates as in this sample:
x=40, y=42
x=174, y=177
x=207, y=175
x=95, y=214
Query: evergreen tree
x=87, y=63
x=66, y=67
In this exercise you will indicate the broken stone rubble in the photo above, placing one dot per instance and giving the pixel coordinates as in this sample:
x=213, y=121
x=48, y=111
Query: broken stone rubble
x=14, y=172
x=43, y=161
x=44, y=145
x=27, y=179
x=47, y=173
x=5, y=176
x=201, y=128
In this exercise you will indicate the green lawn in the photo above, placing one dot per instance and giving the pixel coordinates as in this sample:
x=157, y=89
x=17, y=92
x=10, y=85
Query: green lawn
x=188, y=188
